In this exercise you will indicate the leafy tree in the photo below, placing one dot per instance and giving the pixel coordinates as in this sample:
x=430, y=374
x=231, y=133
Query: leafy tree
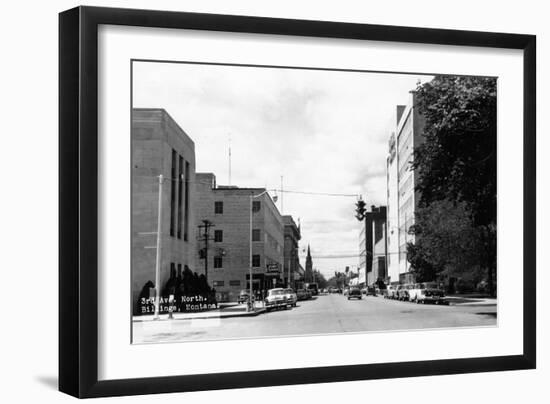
x=447, y=242
x=457, y=160
x=320, y=279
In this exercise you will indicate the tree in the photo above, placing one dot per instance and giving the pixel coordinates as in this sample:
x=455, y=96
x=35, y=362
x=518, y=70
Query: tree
x=457, y=160
x=320, y=279
x=447, y=242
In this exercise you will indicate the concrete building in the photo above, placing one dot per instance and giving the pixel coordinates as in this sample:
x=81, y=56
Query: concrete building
x=228, y=255
x=372, y=247
x=402, y=197
x=160, y=146
x=292, y=236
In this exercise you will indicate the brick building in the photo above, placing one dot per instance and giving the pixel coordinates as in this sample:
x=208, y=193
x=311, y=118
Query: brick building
x=160, y=146
x=227, y=208
x=291, y=271
x=373, y=247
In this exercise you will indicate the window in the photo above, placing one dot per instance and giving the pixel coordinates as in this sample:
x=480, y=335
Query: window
x=256, y=205
x=256, y=235
x=217, y=283
x=180, y=201
x=172, y=270
x=173, y=194
x=218, y=207
x=235, y=283
x=218, y=262
x=256, y=260
x=218, y=236
x=186, y=223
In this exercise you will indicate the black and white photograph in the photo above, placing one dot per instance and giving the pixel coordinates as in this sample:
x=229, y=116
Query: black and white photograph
x=277, y=201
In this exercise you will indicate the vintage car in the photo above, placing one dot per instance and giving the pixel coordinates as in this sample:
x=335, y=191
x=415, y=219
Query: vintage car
x=276, y=299
x=403, y=292
x=354, y=293
x=427, y=292
x=372, y=290
x=301, y=294
x=391, y=292
x=291, y=297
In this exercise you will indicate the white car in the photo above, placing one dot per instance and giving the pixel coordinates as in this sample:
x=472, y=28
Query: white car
x=275, y=299
x=426, y=292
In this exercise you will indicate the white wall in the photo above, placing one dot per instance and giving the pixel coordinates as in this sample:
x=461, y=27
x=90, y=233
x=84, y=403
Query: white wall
x=29, y=195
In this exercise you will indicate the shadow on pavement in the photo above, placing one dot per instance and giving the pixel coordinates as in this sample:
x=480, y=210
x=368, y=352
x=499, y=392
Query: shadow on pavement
x=487, y=314
x=48, y=381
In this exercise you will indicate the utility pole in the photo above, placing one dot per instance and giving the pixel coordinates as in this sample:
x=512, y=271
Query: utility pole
x=282, y=206
x=207, y=224
x=159, y=245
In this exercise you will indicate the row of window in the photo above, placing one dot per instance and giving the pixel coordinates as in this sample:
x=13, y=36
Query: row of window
x=256, y=261
x=179, y=198
x=256, y=235
x=222, y=283
x=218, y=207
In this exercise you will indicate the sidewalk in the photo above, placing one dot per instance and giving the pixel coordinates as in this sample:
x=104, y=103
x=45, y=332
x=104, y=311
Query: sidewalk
x=225, y=310
x=471, y=300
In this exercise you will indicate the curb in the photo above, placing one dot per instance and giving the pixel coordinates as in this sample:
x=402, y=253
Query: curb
x=246, y=314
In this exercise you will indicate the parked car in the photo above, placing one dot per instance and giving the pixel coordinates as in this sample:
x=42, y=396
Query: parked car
x=291, y=297
x=427, y=292
x=354, y=293
x=391, y=292
x=371, y=291
x=243, y=296
x=309, y=293
x=301, y=294
x=403, y=292
x=276, y=299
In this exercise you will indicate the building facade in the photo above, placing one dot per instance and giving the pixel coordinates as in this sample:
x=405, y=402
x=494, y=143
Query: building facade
x=291, y=265
x=227, y=208
x=160, y=146
x=402, y=196
x=373, y=247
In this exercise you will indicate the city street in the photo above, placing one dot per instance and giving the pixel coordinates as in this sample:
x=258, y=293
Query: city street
x=325, y=314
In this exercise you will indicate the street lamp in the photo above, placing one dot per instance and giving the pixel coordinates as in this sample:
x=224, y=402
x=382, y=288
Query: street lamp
x=251, y=304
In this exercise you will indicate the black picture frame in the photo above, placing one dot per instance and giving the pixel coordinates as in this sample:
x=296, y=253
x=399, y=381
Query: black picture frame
x=78, y=200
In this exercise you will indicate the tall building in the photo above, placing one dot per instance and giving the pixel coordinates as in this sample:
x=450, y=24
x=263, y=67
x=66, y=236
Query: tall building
x=291, y=259
x=308, y=275
x=228, y=254
x=402, y=197
x=372, y=247
x=160, y=146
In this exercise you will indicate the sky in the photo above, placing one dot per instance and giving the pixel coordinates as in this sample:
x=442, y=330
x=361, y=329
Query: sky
x=321, y=131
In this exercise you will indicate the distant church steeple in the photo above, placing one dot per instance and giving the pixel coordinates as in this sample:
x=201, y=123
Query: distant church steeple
x=309, y=266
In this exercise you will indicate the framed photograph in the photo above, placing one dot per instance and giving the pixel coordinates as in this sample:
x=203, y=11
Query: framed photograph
x=250, y=201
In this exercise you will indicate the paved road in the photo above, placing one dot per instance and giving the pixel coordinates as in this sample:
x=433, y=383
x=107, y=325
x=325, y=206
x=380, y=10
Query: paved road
x=325, y=314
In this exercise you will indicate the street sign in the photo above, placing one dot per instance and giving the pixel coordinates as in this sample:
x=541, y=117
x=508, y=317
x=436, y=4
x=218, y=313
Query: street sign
x=272, y=267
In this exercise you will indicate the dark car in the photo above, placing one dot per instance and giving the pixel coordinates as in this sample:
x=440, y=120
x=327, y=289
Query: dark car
x=372, y=291
x=301, y=294
x=354, y=293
